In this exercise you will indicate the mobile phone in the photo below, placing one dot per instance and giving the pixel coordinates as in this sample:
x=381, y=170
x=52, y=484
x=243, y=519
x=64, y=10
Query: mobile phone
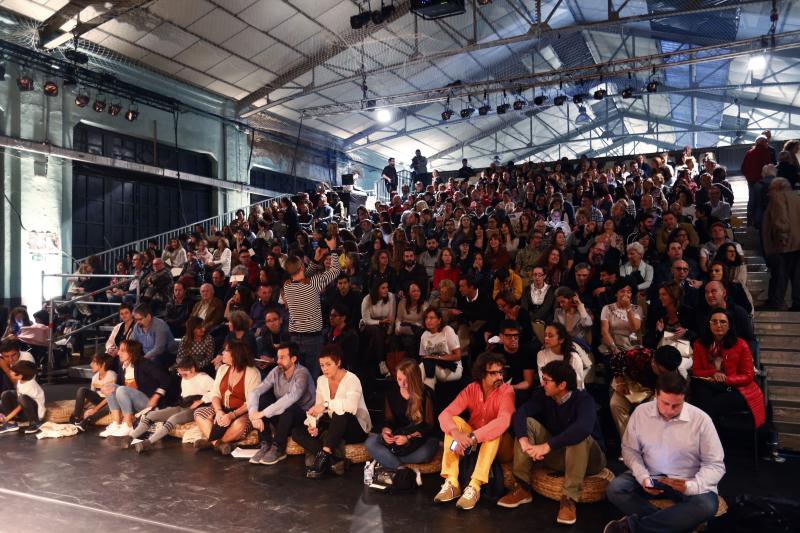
x=453, y=445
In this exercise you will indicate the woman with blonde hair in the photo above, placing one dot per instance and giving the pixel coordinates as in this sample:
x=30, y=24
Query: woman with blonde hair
x=408, y=432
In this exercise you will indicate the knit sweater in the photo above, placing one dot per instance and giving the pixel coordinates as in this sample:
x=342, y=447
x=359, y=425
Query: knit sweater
x=568, y=423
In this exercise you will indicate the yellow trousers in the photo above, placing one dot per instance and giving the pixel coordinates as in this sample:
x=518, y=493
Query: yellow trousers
x=503, y=445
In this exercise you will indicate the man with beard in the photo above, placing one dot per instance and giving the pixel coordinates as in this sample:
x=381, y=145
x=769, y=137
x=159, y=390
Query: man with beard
x=430, y=256
x=282, y=400
x=558, y=426
x=490, y=403
x=412, y=272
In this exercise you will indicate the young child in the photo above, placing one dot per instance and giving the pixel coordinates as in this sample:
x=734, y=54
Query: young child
x=195, y=391
x=93, y=393
x=27, y=399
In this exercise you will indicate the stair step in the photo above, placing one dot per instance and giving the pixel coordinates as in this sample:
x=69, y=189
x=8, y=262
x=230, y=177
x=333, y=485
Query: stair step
x=788, y=415
x=790, y=441
x=788, y=428
x=784, y=317
x=787, y=394
x=779, y=342
x=779, y=357
x=784, y=374
x=777, y=328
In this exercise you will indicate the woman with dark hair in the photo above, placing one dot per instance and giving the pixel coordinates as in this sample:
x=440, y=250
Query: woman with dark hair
x=446, y=268
x=554, y=265
x=196, y=344
x=140, y=384
x=479, y=271
x=729, y=255
x=381, y=270
x=272, y=273
x=408, y=434
x=509, y=239
x=439, y=350
x=339, y=416
x=497, y=256
x=225, y=421
x=558, y=346
x=572, y=314
x=669, y=315
x=239, y=330
x=409, y=323
x=723, y=372
x=480, y=241
x=121, y=331
x=378, y=313
x=619, y=321
x=17, y=319
x=737, y=294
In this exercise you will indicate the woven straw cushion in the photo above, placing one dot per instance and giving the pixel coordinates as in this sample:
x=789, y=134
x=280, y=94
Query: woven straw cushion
x=60, y=411
x=434, y=466
x=106, y=420
x=665, y=503
x=550, y=486
x=356, y=453
x=180, y=430
x=250, y=440
x=292, y=448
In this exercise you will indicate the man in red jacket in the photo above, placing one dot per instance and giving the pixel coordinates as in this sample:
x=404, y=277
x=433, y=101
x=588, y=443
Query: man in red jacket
x=752, y=167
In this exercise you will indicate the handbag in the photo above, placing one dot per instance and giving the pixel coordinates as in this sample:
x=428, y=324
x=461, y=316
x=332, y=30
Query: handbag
x=683, y=346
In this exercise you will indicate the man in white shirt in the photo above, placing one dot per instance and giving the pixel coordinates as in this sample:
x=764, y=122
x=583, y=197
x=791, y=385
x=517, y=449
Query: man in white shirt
x=673, y=451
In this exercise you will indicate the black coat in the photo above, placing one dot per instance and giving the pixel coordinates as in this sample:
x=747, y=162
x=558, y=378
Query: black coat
x=151, y=379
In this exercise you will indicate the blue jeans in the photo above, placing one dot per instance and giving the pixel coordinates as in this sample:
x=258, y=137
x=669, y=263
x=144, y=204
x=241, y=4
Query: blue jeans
x=310, y=347
x=628, y=496
x=128, y=400
x=384, y=455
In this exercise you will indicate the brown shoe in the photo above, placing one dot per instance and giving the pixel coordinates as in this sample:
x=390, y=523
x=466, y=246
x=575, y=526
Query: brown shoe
x=447, y=493
x=515, y=498
x=566, y=511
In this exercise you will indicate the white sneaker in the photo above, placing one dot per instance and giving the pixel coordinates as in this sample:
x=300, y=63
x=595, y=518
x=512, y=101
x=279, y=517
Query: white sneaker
x=384, y=369
x=135, y=441
x=123, y=430
x=110, y=429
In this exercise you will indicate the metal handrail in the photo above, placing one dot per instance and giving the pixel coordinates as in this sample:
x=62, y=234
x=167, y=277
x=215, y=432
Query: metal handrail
x=379, y=189
x=109, y=257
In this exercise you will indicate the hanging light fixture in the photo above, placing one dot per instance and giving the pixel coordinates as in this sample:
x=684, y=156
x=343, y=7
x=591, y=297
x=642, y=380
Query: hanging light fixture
x=485, y=108
x=582, y=117
x=132, y=113
x=99, y=103
x=50, y=88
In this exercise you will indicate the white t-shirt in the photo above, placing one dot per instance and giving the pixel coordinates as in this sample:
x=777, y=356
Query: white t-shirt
x=200, y=385
x=546, y=355
x=440, y=343
x=26, y=356
x=34, y=391
x=97, y=382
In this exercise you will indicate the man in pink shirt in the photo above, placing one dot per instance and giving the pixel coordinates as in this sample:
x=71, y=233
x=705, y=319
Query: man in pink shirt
x=490, y=403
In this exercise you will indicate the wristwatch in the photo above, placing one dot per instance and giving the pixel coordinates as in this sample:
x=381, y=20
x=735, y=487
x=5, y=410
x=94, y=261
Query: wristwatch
x=325, y=404
x=473, y=438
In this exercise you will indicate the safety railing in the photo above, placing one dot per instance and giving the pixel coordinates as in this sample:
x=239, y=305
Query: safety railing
x=85, y=299
x=110, y=257
x=379, y=189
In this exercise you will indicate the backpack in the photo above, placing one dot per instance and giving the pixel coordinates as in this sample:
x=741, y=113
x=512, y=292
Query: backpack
x=392, y=481
x=751, y=513
x=495, y=488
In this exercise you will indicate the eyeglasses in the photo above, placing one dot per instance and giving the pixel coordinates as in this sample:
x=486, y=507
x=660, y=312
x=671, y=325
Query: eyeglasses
x=682, y=269
x=717, y=322
x=511, y=335
x=545, y=380
x=494, y=372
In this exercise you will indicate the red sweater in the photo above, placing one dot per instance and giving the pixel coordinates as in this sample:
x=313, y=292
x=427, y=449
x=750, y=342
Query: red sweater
x=754, y=161
x=440, y=273
x=737, y=365
x=489, y=417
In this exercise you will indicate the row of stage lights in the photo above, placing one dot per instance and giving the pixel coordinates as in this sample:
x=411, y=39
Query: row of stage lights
x=26, y=83
x=520, y=102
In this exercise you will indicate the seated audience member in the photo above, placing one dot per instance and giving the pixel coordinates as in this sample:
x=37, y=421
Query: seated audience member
x=251, y=275
x=101, y=376
x=634, y=379
x=193, y=273
x=239, y=330
x=409, y=323
x=174, y=255
x=378, y=312
x=672, y=451
x=258, y=311
x=637, y=269
x=209, y=307
x=736, y=267
x=668, y=316
x=17, y=319
x=490, y=403
x=177, y=310
x=195, y=391
x=286, y=393
x=221, y=258
x=558, y=346
x=506, y=280
x=26, y=402
x=717, y=297
x=439, y=350
x=121, y=331
x=736, y=293
x=510, y=309
x=723, y=372
x=222, y=289
x=558, y=426
x=709, y=249
x=408, y=432
x=412, y=272
x=345, y=336
x=345, y=295
x=225, y=421
x=519, y=359
x=572, y=314
x=539, y=299
x=619, y=321
x=272, y=335
x=470, y=316
x=156, y=286
x=241, y=300
x=140, y=384
x=197, y=345
x=339, y=416
x=155, y=337
x=664, y=270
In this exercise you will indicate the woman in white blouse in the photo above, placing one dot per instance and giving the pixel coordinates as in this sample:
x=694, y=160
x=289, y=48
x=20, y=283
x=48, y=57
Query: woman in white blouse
x=572, y=314
x=558, y=346
x=439, y=350
x=222, y=256
x=636, y=265
x=409, y=323
x=538, y=299
x=378, y=312
x=174, y=256
x=338, y=417
x=620, y=321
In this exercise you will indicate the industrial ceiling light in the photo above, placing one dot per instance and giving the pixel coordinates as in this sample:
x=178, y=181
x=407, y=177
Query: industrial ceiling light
x=359, y=21
x=540, y=100
x=99, y=103
x=467, y=111
x=652, y=86
x=627, y=92
x=447, y=113
x=582, y=117
x=81, y=99
x=50, y=88
x=383, y=115
x=132, y=113
x=599, y=94
x=485, y=108
x=577, y=99
x=25, y=83
x=560, y=99
x=505, y=106
x=757, y=62
x=115, y=108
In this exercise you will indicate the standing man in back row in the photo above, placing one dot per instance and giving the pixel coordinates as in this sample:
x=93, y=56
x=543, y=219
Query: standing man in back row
x=419, y=164
x=389, y=176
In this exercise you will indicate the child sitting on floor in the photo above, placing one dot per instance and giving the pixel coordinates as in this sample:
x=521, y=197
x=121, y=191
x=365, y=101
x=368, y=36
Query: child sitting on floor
x=93, y=393
x=195, y=391
x=28, y=398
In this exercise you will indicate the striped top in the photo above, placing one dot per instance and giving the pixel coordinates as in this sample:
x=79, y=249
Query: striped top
x=302, y=297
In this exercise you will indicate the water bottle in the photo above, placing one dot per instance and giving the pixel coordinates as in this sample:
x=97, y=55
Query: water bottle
x=369, y=472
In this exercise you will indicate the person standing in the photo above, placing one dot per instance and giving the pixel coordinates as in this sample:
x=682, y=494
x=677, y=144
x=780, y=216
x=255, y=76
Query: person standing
x=419, y=164
x=672, y=451
x=389, y=176
x=752, y=167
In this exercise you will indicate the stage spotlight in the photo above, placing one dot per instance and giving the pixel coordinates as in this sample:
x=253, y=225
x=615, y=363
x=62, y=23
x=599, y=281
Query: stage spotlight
x=540, y=100
x=484, y=109
x=359, y=21
x=99, y=103
x=447, y=114
x=559, y=100
x=652, y=86
x=25, y=83
x=583, y=117
x=82, y=99
x=502, y=108
x=577, y=99
x=599, y=94
x=50, y=88
x=114, y=109
x=627, y=92
x=467, y=112
x=132, y=113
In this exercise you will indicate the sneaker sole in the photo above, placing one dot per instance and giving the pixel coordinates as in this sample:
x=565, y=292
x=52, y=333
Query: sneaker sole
x=566, y=522
x=514, y=505
x=439, y=500
x=465, y=508
x=276, y=461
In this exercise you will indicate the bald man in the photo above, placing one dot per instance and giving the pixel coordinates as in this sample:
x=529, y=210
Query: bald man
x=209, y=307
x=717, y=296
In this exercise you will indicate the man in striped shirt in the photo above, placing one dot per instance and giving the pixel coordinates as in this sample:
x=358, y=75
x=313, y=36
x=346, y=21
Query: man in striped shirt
x=301, y=294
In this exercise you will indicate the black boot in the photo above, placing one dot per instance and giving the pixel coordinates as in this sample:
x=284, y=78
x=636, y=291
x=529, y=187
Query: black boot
x=322, y=463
